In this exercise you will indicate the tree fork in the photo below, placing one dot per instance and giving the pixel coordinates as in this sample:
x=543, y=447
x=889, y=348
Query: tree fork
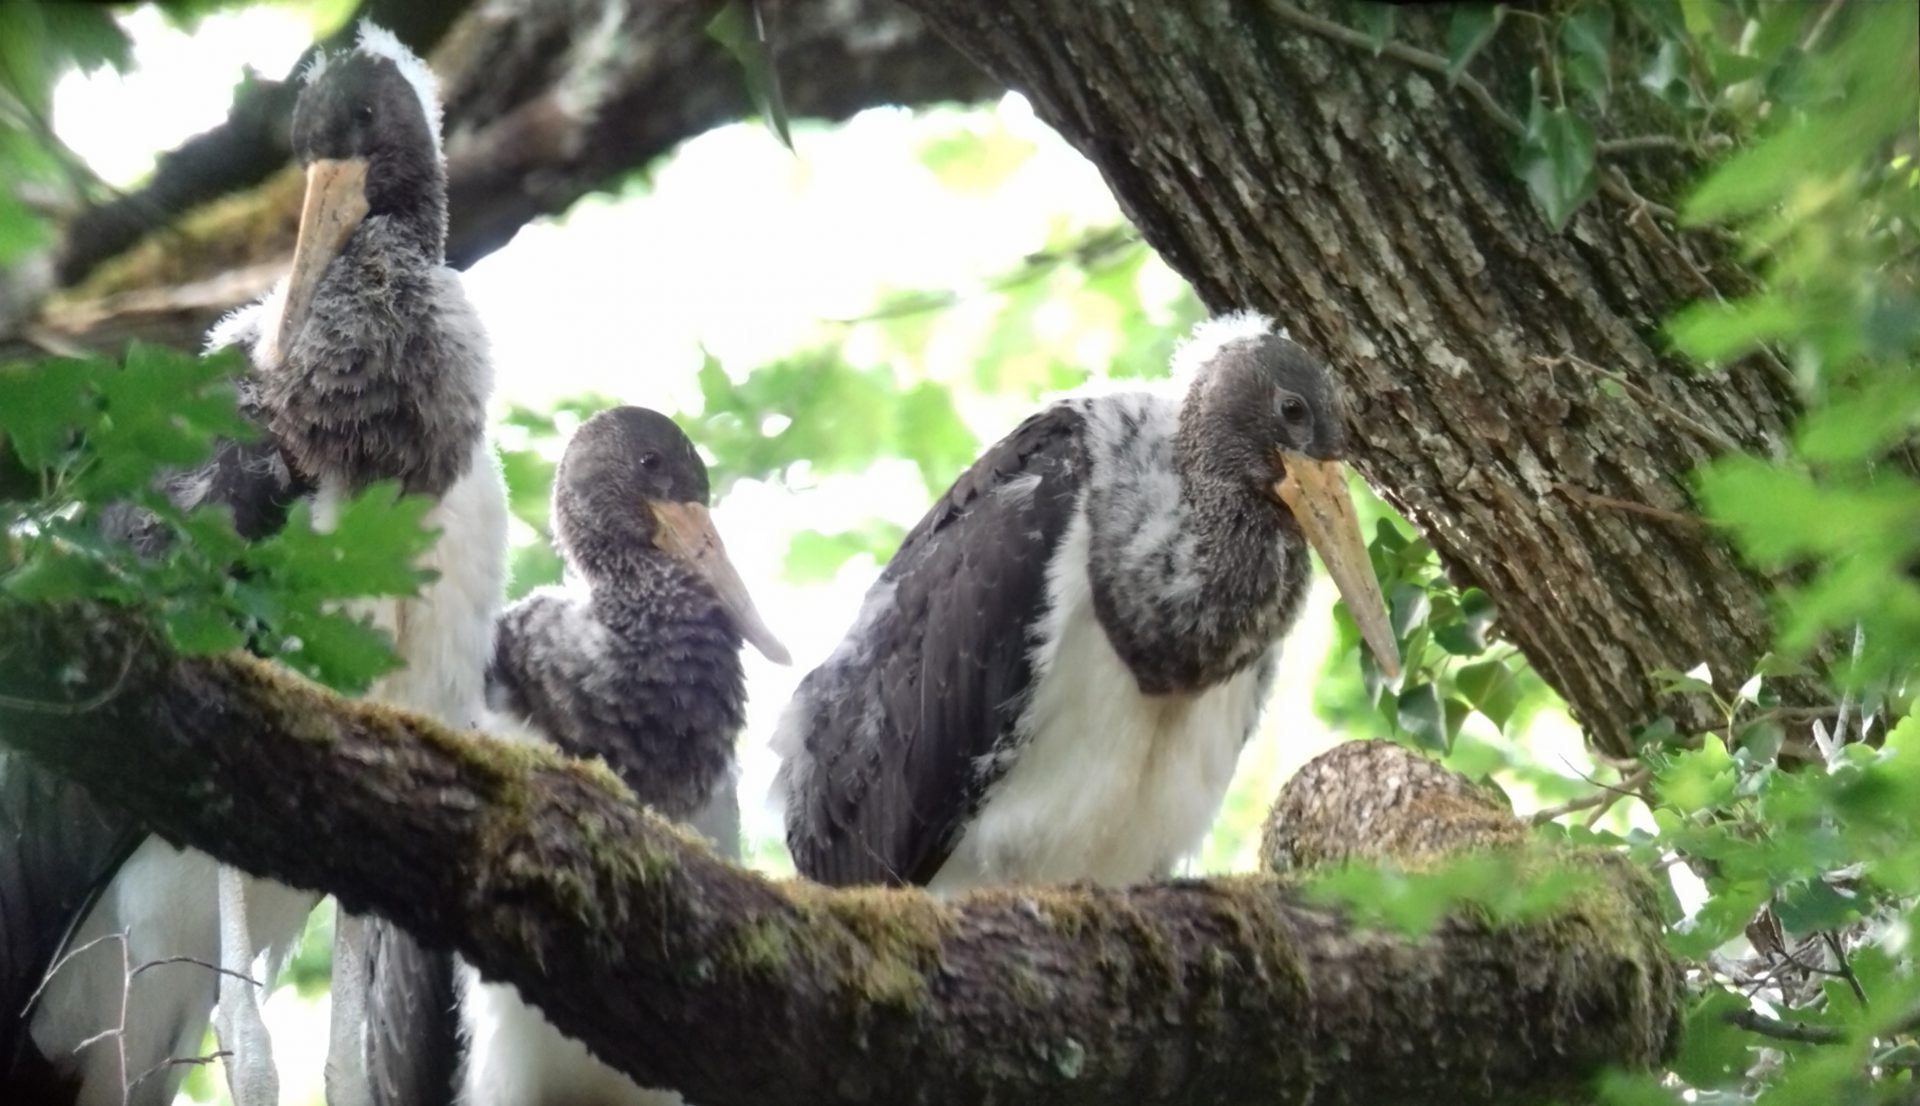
x=684, y=971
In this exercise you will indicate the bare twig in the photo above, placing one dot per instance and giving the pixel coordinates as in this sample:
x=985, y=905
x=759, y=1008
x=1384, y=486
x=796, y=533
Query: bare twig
x=1604, y=799
x=179, y=1061
x=1592, y=499
x=1755, y=1022
x=1708, y=434
x=1466, y=82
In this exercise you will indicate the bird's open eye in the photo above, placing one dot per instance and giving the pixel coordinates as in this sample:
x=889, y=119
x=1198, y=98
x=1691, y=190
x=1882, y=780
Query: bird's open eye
x=649, y=459
x=363, y=113
x=1294, y=410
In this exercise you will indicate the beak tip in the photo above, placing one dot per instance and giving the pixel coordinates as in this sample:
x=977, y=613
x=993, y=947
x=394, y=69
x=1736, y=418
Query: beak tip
x=777, y=653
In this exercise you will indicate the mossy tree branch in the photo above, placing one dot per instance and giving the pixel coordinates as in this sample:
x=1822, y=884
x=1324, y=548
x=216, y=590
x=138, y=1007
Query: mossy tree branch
x=686, y=972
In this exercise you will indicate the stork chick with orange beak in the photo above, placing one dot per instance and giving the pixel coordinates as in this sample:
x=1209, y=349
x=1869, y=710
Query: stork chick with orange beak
x=374, y=367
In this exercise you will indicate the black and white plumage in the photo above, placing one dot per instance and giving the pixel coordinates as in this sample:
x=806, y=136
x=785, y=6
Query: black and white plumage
x=74, y=874
x=1053, y=678
x=369, y=365
x=637, y=662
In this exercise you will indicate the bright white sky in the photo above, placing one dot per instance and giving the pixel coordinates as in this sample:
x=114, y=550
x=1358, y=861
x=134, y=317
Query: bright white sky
x=746, y=250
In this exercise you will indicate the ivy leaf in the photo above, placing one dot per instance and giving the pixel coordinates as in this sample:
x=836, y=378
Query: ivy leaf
x=1492, y=689
x=1471, y=27
x=1586, y=42
x=741, y=29
x=1421, y=717
x=1376, y=20
x=1555, y=160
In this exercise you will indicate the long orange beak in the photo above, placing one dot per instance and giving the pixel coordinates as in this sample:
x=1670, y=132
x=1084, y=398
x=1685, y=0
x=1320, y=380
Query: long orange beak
x=335, y=205
x=1316, y=492
x=685, y=530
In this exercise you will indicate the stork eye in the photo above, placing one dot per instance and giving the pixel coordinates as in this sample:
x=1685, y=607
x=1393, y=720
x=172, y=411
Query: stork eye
x=1293, y=409
x=649, y=459
x=363, y=113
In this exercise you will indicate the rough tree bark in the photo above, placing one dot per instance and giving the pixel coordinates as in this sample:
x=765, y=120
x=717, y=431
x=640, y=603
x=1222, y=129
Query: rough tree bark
x=740, y=990
x=546, y=101
x=1277, y=163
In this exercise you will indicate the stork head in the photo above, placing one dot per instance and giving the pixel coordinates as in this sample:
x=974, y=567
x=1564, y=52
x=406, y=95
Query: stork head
x=630, y=487
x=1263, y=413
x=366, y=131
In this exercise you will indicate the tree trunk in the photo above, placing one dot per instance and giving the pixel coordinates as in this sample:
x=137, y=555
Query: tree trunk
x=1277, y=163
x=736, y=990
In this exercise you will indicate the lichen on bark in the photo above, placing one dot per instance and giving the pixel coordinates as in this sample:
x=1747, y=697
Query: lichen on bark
x=632, y=935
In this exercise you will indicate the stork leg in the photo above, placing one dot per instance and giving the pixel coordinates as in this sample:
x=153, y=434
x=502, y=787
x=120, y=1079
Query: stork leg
x=251, y=1077
x=347, y=1044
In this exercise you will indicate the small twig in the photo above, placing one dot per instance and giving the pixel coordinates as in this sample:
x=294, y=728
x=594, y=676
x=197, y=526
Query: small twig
x=1844, y=969
x=84, y=706
x=1646, y=395
x=1820, y=26
x=178, y=1061
x=241, y=976
x=1466, y=82
x=1604, y=799
x=1755, y=1022
x=1591, y=499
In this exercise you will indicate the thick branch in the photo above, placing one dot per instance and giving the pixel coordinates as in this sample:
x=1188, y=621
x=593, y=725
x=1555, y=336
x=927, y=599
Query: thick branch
x=545, y=103
x=686, y=972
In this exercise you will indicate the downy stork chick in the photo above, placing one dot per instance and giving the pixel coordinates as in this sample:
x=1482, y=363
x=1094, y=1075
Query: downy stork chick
x=374, y=367
x=370, y=365
x=636, y=662
x=1054, y=676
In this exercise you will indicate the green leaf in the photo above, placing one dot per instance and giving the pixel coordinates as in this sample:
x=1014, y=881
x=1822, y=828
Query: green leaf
x=162, y=409
x=1714, y=1053
x=1555, y=160
x=1586, y=43
x=1420, y=716
x=373, y=548
x=814, y=556
x=1492, y=689
x=1407, y=606
x=1700, y=779
x=54, y=575
x=194, y=627
x=1469, y=29
x=739, y=28
x=1716, y=331
x=1812, y=905
x=44, y=404
x=1376, y=20
x=1779, y=514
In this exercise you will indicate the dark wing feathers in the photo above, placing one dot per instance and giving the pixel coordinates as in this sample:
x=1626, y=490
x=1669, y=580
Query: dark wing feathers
x=895, y=733
x=58, y=848
x=413, y=1022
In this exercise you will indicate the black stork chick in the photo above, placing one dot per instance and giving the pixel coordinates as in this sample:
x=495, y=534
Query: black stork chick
x=635, y=661
x=369, y=365
x=1053, y=678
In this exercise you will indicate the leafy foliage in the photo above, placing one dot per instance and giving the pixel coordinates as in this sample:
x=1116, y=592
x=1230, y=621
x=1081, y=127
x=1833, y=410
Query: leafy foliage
x=90, y=437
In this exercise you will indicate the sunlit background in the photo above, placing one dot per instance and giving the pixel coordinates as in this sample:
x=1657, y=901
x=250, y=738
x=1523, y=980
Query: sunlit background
x=971, y=248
